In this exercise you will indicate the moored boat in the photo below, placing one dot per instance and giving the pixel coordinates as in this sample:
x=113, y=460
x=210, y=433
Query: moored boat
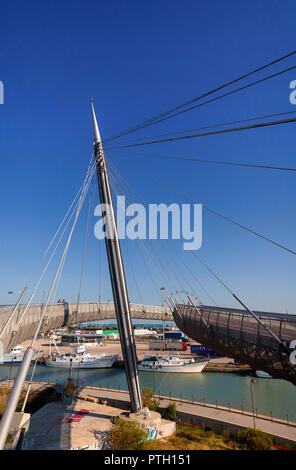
x=173, y=363
x=262, y=375
x=82, y=359
x=14, y=356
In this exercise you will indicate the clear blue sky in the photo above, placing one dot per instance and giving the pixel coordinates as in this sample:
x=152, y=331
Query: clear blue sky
x=138, y=59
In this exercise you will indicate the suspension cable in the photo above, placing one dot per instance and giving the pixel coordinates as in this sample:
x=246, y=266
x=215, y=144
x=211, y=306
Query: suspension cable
x=40, y=263
x=45, y=268
x=221, y=131
x=36, y=358
x=89, y=182
x=143, y=249
x=270, y=332
x=213, y=126
x=161, y=253
x=129, y=190
x=90, y=211
x=165, y=115
x=199, y=160
x=219, y=214
x=116, y=190
x=146, y=252
x=89, y=169
x=21, y=375
x=55, y=248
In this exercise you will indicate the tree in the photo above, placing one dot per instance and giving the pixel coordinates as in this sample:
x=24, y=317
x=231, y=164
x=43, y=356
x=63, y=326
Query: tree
x=148, y=398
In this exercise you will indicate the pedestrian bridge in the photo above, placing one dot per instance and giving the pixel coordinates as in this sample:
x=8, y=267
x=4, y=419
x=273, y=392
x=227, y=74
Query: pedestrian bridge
x=59, y=315
x=231, y=332
x=237, y=334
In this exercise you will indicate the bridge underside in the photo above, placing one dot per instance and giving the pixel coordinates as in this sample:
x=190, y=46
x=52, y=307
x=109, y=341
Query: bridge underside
x=60, y=315
x=236, y=334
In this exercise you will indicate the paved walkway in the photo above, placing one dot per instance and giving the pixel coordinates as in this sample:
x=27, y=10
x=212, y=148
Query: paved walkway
x=234, y=417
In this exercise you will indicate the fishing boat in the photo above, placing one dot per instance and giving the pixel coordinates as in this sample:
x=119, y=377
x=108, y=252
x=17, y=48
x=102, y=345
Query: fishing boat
x=173, y=363
x=82, y=359
x=14, y=356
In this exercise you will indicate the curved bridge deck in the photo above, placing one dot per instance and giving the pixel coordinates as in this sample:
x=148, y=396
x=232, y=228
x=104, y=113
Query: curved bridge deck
x=59, y=315
x=236, y=333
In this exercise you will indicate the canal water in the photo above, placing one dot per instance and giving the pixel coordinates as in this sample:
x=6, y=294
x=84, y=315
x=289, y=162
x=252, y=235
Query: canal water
x=269, y=395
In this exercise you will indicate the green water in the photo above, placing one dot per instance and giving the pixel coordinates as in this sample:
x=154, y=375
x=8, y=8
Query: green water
x=270, y=395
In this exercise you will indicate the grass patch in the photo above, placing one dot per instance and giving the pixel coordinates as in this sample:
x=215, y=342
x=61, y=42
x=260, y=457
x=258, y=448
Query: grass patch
x=4, y=394
x=188, y=438
x=254, y=439
x=36, y=398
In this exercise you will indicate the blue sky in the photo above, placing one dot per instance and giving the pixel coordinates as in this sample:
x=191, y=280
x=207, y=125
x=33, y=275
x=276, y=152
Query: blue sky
x=138, y=59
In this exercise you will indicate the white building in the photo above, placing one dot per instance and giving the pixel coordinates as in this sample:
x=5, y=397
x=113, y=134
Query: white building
x=144, y=332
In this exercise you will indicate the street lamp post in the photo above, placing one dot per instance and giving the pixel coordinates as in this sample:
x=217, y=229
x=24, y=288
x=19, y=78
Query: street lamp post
x=10, y=293
x=252, y=399
x=162, y=295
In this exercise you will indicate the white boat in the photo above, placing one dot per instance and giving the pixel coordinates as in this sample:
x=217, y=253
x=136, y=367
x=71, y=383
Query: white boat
x=262, y=374
x=14, y=356
x=173, y=363
x=82, y=359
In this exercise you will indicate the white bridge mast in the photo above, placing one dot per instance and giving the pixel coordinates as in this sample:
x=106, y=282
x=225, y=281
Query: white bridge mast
x=116, y=269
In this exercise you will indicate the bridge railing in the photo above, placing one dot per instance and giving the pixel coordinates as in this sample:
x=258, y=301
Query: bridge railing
x=243, y=323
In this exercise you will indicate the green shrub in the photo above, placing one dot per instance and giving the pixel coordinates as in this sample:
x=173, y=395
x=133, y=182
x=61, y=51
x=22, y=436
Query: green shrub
x=254, y=439
x=148, y=399
x=126, y=435
x=170, y=412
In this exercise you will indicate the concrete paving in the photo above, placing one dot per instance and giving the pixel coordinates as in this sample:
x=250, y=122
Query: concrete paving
x=60, y=427
x=217, y=418
x=81, y=425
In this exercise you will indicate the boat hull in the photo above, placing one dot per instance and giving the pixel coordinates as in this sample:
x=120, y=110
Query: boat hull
x=190, y=368
x=262, y=375
x=9, y=359
x=14, y=363
x=100, y=363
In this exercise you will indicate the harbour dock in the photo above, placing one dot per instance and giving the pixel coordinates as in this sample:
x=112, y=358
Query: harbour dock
x=219, y=364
